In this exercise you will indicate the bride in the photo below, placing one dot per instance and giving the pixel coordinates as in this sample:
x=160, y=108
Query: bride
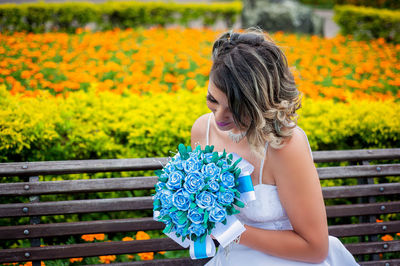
x=253, y=99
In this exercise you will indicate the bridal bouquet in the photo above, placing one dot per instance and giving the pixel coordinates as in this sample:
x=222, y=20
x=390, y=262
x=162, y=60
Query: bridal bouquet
x=197, y=194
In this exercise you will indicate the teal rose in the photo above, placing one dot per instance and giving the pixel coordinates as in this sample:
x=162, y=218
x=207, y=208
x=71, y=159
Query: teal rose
x=226, y=198
x=196, y=229
x=228, y=180
x=211, y=170
x=191, y=165
x=194, y=182
x=217, y=214
x=181, y=200
x=195, y=216
x=205, y=200
x=175, y=180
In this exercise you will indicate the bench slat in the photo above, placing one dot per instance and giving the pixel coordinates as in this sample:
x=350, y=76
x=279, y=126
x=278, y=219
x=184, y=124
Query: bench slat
x=77, y=186
x=136, y=164
x=362, y=209
x=358, y=171
x=133, y=183
x=76, y=206
x=81, y=166
x=146, y=203
x=356, y=155
x=364, y=229
x=360, y=190
x=394, y=262
x=79, y=228
x=373, y=247
x=143, y=224
x=88, y=250
x=164, y=262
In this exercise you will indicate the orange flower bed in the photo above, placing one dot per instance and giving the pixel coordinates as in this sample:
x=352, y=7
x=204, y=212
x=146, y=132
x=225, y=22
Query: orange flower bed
x=157, y=60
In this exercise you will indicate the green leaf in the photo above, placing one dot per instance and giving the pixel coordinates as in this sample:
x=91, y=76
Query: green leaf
x=183, y=151
x=238, y=203
x=206, y=215
x=188, y=148
x=224, y=222
x=163, y=179
x=158, y=172
x=203, y=238
x=168, y=228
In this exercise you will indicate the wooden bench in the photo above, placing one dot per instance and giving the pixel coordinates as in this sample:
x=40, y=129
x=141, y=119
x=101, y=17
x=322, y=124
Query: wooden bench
x=352, y=210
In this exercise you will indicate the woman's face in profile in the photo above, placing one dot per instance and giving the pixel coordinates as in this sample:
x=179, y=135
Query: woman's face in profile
x=217, y=102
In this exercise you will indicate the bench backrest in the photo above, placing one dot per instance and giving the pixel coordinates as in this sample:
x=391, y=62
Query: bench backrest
x=353, y=211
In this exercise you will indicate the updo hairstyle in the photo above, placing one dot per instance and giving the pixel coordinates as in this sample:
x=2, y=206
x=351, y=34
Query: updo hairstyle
x=253, y=73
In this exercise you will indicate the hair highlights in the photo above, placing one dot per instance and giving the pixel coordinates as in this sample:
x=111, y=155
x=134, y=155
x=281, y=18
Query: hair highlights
x=253, y=72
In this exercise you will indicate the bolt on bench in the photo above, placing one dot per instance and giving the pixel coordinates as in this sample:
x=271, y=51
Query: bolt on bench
x=353, y=210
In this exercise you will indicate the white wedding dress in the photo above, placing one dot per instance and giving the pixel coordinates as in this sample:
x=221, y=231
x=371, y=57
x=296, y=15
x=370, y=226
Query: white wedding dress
x=266, y=212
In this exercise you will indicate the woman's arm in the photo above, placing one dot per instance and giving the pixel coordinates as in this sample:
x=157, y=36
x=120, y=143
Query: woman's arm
x=300, y=194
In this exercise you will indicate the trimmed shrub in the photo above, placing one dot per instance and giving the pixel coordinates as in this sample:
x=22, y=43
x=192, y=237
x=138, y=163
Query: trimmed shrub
x=107, y=125
x=43, y=17
x=368, y=23
x=390, y=4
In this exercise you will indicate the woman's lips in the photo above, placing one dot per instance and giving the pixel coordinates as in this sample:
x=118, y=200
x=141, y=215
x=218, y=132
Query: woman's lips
x=223, y=124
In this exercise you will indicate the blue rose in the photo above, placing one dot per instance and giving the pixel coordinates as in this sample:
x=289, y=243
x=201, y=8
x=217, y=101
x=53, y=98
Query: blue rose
x=162, y=213
x=223, y=164
x=181, y=200
x=213, y=185
x=191, y=165
x=217, y=214
x=211, y=170
x=197, y=154
x=207, y=157
x=194, y=182
x=175, y=219
x=165, y=197
x=169, y=168
x=179, y=229
x=160, y=186
x=196, y=229
x=195, y=216
x=178, y=163
x=175, y=180
x=228, y=179
x=226, y=198
x=205, y=200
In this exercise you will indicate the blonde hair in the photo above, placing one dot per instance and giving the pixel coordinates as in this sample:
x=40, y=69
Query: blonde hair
x=253, y=72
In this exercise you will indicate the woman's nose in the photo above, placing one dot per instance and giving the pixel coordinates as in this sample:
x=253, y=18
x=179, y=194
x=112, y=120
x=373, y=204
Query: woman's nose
x=222, y=115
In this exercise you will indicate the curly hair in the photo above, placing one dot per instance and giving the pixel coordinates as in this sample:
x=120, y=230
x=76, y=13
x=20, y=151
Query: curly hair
x=253, y=72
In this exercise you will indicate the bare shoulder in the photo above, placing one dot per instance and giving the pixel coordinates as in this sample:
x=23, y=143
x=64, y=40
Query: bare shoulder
x=199, y=130
x=295, y=147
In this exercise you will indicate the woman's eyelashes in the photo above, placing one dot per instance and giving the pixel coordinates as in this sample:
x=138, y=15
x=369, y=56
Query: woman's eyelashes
x=211, y=99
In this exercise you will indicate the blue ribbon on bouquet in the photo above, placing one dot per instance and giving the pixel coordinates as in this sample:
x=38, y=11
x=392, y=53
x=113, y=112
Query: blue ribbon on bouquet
x=245, y=187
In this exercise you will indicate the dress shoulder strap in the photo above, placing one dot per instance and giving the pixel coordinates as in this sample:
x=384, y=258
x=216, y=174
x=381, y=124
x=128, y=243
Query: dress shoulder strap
x=262, y=163
x=308, y=143
x=208, y=129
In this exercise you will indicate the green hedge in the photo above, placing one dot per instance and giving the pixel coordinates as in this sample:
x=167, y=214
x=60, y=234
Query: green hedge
x=390, y=4
x=41, y=17
x=108, y=125
x=368, y=23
